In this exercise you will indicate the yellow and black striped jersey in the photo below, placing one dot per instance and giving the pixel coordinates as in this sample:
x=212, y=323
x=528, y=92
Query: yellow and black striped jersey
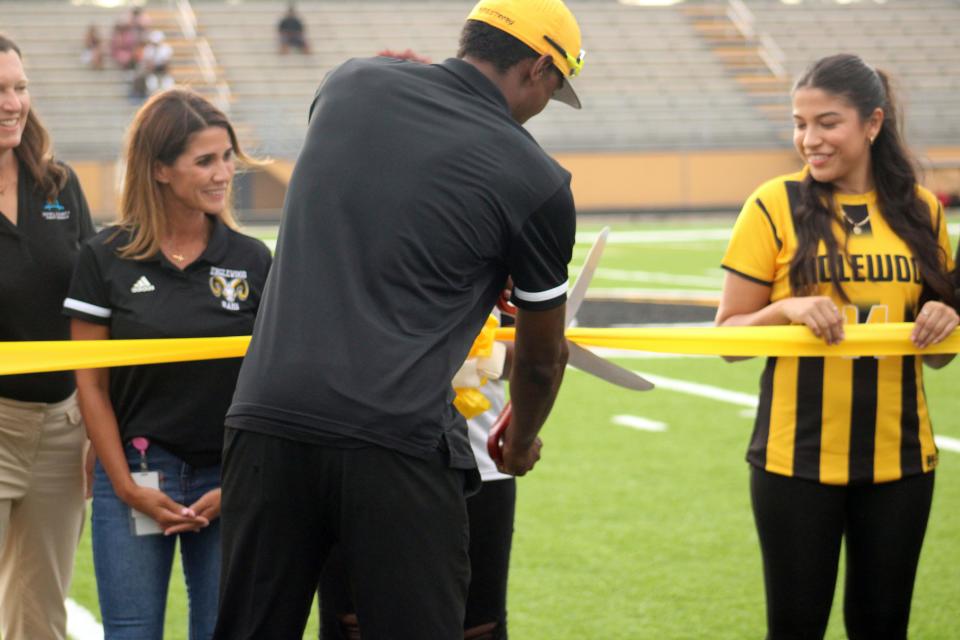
x=839, y=420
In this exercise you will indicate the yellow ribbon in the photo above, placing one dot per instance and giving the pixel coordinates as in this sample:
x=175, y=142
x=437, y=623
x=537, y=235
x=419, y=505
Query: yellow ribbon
x=886, y=339
x=890, y=339
x=36, y=357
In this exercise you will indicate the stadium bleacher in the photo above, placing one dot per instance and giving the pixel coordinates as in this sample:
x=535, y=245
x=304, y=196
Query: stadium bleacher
x=651, y=82
x=687, y=77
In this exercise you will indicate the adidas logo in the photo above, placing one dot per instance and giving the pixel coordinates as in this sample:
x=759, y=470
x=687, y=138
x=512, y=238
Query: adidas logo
x=142, y=286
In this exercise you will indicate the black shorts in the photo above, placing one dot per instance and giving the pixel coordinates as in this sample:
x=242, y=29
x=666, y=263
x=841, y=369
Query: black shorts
x=491, y=513
x=400, y=522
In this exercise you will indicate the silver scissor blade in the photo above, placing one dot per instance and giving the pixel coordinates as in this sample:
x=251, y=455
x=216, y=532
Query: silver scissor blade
x=579, y=290
x=591, y=363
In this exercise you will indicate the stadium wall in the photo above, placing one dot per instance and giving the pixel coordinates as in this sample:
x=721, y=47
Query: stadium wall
x=602, y=182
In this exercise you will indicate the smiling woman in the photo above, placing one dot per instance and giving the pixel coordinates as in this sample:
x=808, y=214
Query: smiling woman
x=175, y=266
x=842, y=449
x=44, y=219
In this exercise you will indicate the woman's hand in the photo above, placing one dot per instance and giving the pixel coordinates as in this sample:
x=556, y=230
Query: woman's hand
x=170, y=515
x=819, y=313
x=207, y=509
x=934, y=323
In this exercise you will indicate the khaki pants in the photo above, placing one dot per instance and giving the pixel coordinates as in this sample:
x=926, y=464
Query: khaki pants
x=41, y=514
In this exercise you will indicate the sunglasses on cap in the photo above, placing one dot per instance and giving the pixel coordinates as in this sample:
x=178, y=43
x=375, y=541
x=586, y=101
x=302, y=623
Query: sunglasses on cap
x=576, y=64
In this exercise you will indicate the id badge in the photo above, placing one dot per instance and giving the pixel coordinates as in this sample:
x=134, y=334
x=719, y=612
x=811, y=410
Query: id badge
x=140, y=523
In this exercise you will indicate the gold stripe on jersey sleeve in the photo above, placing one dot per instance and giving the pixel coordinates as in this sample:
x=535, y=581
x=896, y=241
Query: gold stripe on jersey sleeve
x=783, y=418
x=837, y=405
x=886, y=450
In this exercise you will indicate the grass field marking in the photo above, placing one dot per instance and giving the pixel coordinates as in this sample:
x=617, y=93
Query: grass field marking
x=641, y=424
x=947, y=443
x=626, y=275
x=658, y=237
x=630, y=354
x=707, y=296
x=703, y=390
x=747, y=400
x=81, y=624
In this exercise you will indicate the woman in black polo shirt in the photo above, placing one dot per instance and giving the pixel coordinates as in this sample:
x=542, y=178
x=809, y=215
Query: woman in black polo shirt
x=45, y=218
x=173, y=267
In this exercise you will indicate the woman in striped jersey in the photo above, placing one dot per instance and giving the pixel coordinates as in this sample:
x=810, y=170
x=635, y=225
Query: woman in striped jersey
x=842, y=447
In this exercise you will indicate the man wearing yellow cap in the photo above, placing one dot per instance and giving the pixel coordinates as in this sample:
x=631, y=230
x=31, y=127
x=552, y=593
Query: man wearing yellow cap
x=416, y=194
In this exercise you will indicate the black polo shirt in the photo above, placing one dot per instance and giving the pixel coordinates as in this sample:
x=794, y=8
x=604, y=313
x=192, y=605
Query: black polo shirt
x=36, y=259
x=415, y=195
x=180, y=405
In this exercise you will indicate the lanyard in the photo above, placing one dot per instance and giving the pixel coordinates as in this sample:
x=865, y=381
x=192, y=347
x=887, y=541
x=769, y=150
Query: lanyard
x=141, y=444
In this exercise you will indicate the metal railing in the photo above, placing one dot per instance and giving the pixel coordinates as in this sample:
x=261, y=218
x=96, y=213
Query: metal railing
x=770, y=53
x=203, y=55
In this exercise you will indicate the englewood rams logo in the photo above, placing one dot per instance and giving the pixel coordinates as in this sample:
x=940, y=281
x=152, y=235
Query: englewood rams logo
x=230, y=285
x=496, y=14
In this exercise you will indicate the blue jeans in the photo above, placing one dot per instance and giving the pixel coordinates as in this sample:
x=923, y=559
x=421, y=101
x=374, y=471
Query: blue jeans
x=133, y=572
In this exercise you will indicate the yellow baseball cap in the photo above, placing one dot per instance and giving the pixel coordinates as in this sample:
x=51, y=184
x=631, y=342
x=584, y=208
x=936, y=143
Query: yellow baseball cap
x=546, y=26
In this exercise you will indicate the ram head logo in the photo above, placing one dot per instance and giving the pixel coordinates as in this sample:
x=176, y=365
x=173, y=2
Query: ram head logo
x=232, y=291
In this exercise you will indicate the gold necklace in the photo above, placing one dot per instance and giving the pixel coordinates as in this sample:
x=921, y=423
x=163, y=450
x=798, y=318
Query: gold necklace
x=856, y=226
x=179, y=257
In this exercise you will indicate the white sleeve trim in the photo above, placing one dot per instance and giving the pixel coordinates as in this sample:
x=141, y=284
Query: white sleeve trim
x=86, y=307
x=540, y=296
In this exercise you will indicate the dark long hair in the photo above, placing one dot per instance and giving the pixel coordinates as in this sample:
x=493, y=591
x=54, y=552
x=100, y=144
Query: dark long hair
x=34, y=150
x=894, y=178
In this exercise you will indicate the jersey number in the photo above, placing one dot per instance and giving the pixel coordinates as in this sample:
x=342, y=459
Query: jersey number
x=878, y=313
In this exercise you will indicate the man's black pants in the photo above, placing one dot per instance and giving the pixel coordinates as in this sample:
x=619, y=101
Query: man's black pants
x=491, y=511
x=801, y=523
x=401, y=523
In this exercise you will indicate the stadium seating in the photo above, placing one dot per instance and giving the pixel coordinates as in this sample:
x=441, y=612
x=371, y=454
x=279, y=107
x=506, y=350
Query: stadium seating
x=910, y=39
x=655, y=77
x=650, y=82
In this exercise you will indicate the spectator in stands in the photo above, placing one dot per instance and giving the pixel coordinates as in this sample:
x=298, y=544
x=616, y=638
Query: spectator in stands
x=124, y=45
x=139, y=22
x=154, y=70
x=92, y=48
x=44, y=219
x=173, y=267
x=290, y=31
x=842, y=449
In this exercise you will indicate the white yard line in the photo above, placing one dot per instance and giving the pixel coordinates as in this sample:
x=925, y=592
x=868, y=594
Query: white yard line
x=659, y=237
x=945, y=443
x=702, y=390
x=706, y=296
x=625, y=275
x=81, y=624
x=641, y=424
x=628, y=354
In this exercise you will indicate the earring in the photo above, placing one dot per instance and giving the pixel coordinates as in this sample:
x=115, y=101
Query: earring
x=871, y=141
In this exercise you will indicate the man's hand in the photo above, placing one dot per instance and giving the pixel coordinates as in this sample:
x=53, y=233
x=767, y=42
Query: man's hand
x=518, y=458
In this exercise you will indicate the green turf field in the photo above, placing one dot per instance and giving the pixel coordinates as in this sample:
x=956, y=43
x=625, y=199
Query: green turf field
x=638, y=534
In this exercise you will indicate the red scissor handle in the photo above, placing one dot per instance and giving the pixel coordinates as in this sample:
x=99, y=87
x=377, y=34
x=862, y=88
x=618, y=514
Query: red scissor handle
x=504, y=304
x=497, y=431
